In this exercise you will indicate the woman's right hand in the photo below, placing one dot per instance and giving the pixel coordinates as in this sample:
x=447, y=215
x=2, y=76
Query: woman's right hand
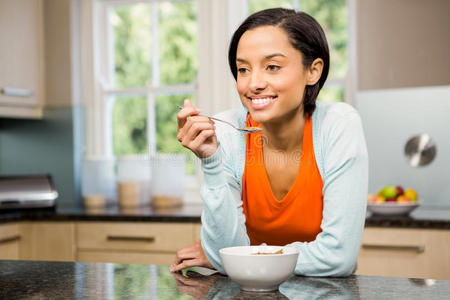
x=196, y=132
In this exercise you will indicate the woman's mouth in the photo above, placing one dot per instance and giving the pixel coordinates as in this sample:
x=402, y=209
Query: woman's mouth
x=262, y=102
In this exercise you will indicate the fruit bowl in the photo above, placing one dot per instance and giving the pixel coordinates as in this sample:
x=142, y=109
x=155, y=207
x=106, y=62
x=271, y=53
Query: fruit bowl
x=392, y=208
x=392, y=201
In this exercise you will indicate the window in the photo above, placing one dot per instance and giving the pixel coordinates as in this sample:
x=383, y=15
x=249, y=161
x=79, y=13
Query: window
x=142, y=58
x=151, y=67
x=332, y=16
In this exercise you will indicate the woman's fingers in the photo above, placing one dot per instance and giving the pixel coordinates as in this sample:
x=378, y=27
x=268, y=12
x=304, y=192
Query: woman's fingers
x=190, y=256
x=183, y=131
x=195, y=132
x=187, y=111
x=192, y=129
x=188, y=252
x=186, y=264
x=185, y=254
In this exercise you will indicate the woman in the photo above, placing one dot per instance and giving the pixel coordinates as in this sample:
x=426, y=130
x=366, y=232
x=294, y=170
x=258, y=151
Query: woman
x=302, y=180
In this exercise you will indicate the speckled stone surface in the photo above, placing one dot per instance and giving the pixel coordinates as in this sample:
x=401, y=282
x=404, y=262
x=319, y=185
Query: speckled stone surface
x=185, y=213
x=65, y=280
x=422, y=217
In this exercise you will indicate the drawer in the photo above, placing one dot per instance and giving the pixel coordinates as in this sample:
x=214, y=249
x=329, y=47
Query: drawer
x=396, y=252
x=123, y=257
x=130, y=236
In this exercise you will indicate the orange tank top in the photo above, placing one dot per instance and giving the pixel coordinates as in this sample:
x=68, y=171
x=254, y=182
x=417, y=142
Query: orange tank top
x=296, y=217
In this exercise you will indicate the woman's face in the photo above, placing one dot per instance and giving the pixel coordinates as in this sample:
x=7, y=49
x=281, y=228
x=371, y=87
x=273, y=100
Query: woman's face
x=271, y=77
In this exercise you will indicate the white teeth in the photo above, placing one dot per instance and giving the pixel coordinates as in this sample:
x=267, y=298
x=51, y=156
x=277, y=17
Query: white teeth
x=262, y=100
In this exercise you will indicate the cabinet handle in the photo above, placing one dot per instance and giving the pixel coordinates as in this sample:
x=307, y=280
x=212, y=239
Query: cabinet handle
x=150, y=239
x=16, y=92
x=10, y=239
x=418, y=249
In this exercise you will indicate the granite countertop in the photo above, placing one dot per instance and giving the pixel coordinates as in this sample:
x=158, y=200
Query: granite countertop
x=423, y=217
x=186, y=213
x=67, y=280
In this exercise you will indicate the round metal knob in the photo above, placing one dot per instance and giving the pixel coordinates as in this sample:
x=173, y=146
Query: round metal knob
x=420, y=150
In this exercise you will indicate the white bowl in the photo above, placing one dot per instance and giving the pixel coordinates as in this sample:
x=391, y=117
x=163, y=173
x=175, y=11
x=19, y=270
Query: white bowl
x=392, y=208
x=259, y=273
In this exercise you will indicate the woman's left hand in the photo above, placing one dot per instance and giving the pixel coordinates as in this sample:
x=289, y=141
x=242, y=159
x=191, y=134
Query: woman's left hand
x=190, y=256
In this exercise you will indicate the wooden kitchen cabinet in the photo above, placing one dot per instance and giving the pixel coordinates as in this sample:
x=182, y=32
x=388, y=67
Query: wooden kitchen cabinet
x=51, y=241
x=197, y=229
x=132, y=242
x=9, y=241
x=21, y=58
x=414, y=253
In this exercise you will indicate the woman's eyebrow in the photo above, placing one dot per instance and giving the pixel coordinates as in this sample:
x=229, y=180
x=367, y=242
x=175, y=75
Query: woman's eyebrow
x=273, y=55
x=266, y=58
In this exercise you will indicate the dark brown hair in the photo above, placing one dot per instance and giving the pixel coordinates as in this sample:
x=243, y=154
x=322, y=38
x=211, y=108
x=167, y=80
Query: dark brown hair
x=305, y=35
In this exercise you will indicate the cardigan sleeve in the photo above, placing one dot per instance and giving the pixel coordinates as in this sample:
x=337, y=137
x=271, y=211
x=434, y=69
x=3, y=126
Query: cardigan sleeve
x=345, y=176
x=223, y=220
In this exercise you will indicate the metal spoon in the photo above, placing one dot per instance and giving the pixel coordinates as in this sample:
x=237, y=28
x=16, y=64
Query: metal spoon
x=245, y=129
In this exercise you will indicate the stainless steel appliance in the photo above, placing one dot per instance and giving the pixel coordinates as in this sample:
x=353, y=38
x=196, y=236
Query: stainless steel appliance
x=407, y=133
x=27, y=191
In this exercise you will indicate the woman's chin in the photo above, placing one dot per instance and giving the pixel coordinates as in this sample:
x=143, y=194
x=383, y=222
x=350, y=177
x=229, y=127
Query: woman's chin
x=260, y=116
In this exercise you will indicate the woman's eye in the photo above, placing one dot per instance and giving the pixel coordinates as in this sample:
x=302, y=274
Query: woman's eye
x=242, y=70
x=273, y=68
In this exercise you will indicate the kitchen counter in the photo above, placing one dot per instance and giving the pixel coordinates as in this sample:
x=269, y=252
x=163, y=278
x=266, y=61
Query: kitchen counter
x=185, y=213
x=67, y=280
x=422, y=217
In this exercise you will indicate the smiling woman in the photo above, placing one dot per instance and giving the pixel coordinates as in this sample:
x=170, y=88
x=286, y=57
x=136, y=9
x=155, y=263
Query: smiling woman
x=300, y=181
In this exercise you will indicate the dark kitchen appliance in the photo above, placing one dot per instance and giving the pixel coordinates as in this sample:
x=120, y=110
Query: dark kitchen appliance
x=27, y=191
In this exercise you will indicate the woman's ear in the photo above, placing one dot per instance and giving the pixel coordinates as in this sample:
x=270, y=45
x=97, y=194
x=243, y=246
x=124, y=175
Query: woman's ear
x=314, y=71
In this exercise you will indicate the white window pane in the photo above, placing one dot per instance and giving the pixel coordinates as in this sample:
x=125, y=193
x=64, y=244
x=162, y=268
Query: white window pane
x=131, y=26
x=332, y=16
x=257, y=5
x=166, y=127
x=178, y=34
x=130, y=126
x=332, y=93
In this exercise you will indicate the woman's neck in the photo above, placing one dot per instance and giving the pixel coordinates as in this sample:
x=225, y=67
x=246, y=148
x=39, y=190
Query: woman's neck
x=286, y=135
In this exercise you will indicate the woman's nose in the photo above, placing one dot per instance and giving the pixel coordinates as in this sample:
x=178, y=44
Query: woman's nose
x=257, y=81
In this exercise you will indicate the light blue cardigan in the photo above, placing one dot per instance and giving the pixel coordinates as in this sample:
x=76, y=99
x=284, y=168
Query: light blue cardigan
x=341, y=156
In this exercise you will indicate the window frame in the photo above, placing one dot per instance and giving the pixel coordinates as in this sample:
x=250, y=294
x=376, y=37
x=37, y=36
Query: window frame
x=149, y=91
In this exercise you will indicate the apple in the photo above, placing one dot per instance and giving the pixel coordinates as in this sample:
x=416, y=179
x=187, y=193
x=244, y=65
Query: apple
x=391, y=200
x=400, y=190
x=389, y=191
x=403, y=199
x=371, y=198
x=411, y=194
x=380, y=199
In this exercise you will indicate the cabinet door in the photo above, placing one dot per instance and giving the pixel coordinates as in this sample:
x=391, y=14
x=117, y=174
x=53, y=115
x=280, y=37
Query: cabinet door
x=410, y=253
x=197, y=230
x=21, y=53
x=9, y=241
x=440, y=253
x=52, y=241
